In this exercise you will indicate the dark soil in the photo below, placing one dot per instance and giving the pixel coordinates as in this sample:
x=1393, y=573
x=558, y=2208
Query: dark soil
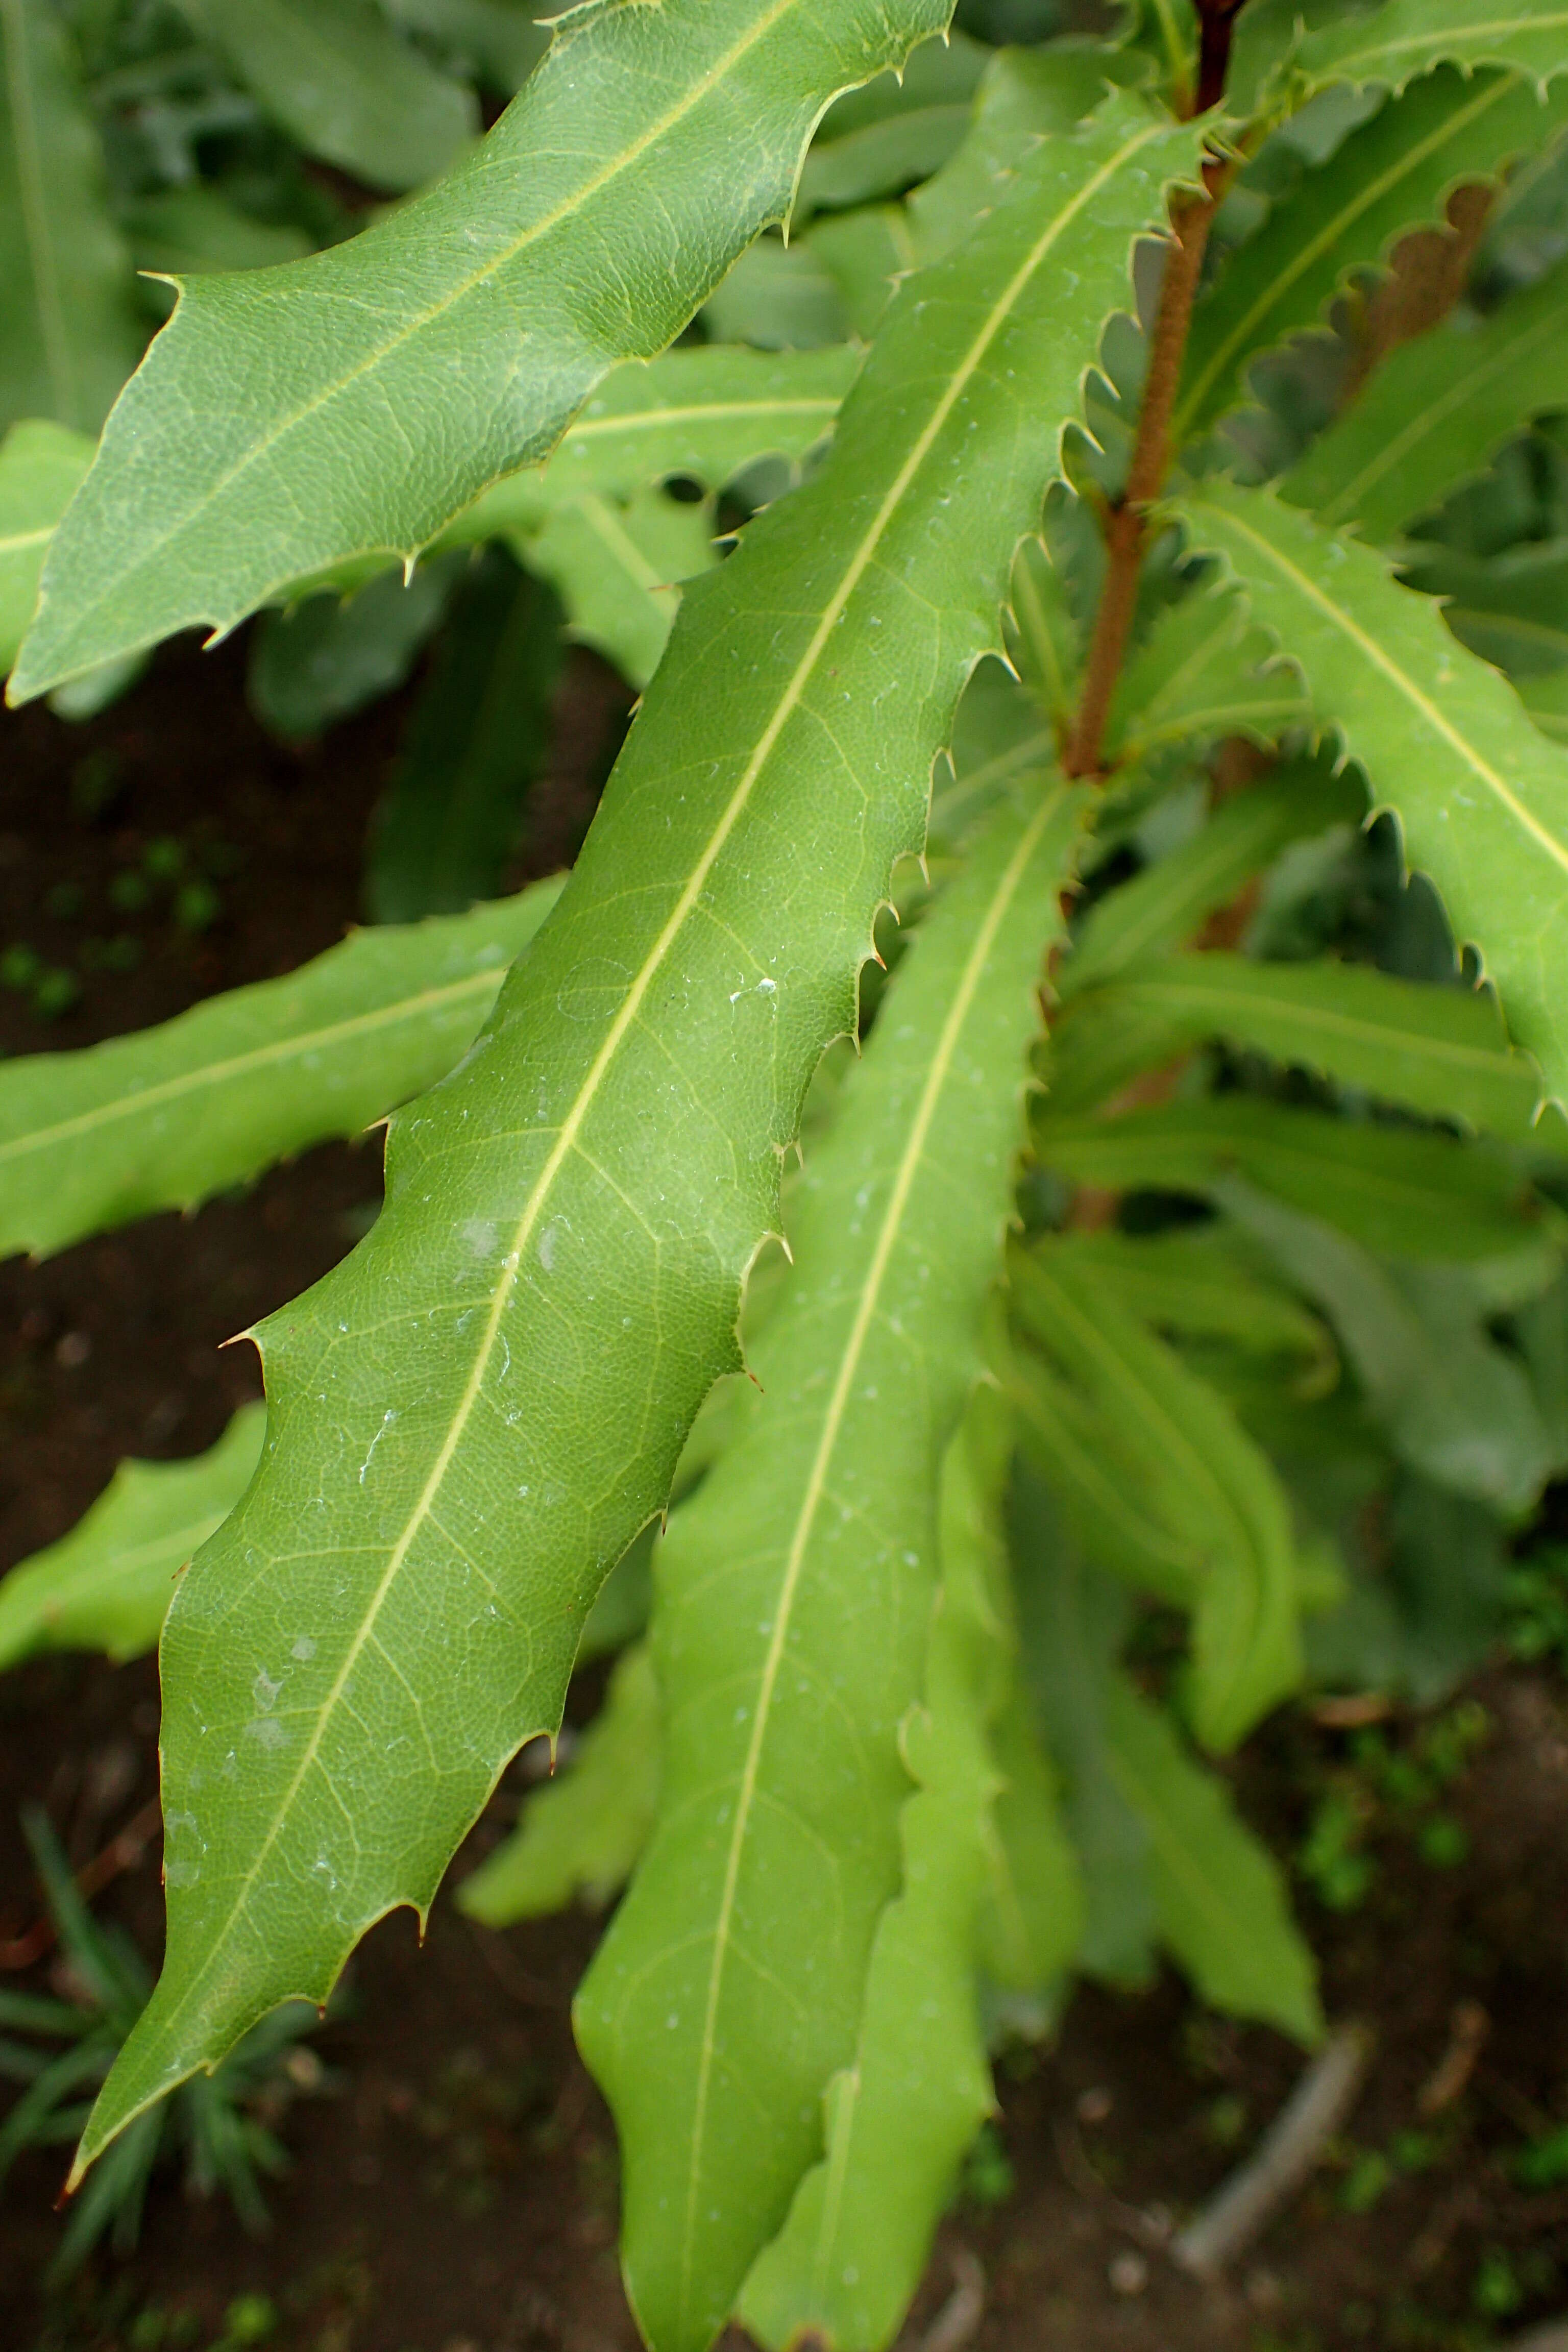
x=453, y=2187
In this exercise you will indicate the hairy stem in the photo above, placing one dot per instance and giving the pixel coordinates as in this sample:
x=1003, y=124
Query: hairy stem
x=1126, y=529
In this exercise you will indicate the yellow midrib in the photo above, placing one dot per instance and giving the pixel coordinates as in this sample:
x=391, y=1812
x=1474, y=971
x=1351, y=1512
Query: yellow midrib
x=832, y=1425
x=580, y=198
x=258, y=1057
x=1372, y=652
x=1329, y=235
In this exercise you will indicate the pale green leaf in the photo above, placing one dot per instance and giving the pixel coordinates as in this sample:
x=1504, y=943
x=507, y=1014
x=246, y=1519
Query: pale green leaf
x=336, y=77
x=1482, y=800
x=68, y=333
x=1043, y=638
x=1440, y=1050
x=164, y=1117
x=1208, y=1483
x=864, y=253
x=40, y=466
x=702, y=414
x=729, y=1990
x=1393, y=1189
x=1073, y=1621
x=606, y=1162
x=474, y=746
x=1032, y=1913
x=1165, y=905
x=1025, y=95
x=1196, y=1283
x=617, y=567
x=581, y=1833
x=649, y=148
x=1389, y=176
x=1437, y=411
x=1406, y=37
x=107, y=1585
x=1546, y=699
x=898, y=2119
x=1219, y=1898
x=1105, y=1492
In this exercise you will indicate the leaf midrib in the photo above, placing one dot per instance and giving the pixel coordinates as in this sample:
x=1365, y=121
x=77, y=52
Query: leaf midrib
x=1372, y=652
x=1427, y=421
x=1329, y=234
x=258, y=1057
x=567, y=1134
x=1438, y=47
x=888, y=1235
x=1209, y=996
x=578, y=201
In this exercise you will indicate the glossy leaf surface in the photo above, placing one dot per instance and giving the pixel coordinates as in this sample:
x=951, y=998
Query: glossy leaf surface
x=646, y=151
x=107, y=1585
x=164, y=1117
x=514, y=1355
x=40, y=466
x=898, y=2120
x=1406, y=37
x=752, y=1920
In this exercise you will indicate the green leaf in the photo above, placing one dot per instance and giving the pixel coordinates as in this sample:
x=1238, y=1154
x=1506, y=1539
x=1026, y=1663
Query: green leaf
x=1208, y=1484
x=581, y=1833
x=1406, y=37
x=1025, y=95
x=1073, y=1621
x=1111, y=1509
x=479, y=735
x=107, y=1585
x=164, y=1117
x=1221, y=1903
x=647, y=149
x=779, y=297
x=1043, y=638
x=40, y=466
x=1202, y=674
x=1455, y=1406
x=335, y=76
x=1397, y=1191
x=1482, y=800
x=703, y=415
x=1196, y=1283
x=785, y=1777
x=1546, y=699
x=878, y=140
x=1389, y=176
x=618, y=567
x=864, y=253
x=606, y=1161
x=327, y=658
x=69, y=334
x=1441, y=1050
x=1437, y=411
x=898, y=2119
x=1165, y=905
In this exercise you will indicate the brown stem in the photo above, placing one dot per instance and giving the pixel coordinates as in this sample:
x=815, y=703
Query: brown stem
x=1216, y=22
x=1126, y=529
